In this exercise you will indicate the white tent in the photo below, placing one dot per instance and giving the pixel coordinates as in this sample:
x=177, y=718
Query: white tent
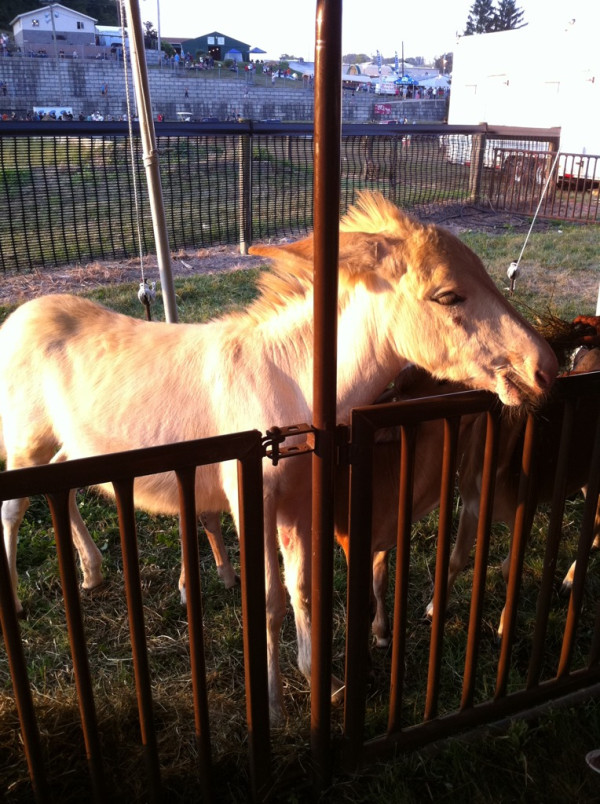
x=440, y=81
x=357, y=79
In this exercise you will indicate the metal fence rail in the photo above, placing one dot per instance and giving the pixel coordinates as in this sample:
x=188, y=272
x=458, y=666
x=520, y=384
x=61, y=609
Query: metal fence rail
x=67, y=189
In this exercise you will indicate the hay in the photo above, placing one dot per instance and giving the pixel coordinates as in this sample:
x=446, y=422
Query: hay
x=563, y=336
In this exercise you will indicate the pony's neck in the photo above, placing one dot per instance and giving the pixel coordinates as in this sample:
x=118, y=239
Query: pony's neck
x=367, y=359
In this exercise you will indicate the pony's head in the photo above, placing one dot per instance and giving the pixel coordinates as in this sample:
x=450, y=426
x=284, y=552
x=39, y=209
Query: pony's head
x=432, y=301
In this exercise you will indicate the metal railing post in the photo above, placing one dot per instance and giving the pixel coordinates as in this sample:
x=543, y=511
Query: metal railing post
x=477, y=158
x=245, y=191
x=327, y=177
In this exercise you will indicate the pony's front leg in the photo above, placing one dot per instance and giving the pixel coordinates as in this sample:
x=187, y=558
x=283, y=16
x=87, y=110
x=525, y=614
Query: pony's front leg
x=381, y=620
x=13, y=512
x=275, y=613
x=295, y=543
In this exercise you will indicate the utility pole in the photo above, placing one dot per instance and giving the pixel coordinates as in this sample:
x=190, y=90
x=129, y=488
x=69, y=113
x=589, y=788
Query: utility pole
x=58, y=72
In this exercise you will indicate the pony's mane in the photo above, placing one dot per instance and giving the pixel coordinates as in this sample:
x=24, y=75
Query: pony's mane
x=291, y=274
x=289, y=278
x=374, y=214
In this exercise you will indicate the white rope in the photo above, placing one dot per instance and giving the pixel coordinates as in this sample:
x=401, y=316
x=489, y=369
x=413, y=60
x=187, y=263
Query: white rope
x=513, y=268
x=143, y=284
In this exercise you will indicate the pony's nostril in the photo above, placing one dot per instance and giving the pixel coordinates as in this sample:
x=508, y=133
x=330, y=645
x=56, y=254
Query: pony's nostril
x=544, y=379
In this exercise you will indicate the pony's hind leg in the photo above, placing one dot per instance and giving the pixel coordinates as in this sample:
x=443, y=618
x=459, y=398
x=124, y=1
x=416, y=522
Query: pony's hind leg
x=211, y=522
x=90, y=557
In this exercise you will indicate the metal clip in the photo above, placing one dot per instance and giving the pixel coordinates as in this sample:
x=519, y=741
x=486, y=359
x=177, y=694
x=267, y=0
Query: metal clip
x=277, y=435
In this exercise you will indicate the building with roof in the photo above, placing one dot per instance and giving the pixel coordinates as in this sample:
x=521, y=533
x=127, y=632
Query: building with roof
x=53, y=24
x=219, y=46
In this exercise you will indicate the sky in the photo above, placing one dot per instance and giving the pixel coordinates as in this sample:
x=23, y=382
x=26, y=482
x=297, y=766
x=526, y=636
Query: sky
x=427, y=29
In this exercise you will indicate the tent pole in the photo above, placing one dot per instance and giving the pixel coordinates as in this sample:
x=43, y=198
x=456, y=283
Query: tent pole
x=150, y=151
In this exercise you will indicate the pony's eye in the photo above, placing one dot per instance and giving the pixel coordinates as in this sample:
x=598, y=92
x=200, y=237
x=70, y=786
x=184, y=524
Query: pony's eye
x=447, y=299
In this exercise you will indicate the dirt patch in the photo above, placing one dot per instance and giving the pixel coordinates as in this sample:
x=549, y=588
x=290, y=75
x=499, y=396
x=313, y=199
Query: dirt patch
x=17, y=288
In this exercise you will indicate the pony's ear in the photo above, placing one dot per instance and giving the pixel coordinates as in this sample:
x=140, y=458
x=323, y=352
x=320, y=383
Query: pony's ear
x=301, y=249
x=360, y=253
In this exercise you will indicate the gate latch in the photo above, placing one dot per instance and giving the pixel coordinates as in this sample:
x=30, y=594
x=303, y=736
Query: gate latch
x=277, y=435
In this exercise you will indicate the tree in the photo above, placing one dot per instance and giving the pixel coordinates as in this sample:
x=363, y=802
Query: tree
x=484, y=17
x=150, y=36
x=481, y=17
x=443, y=63
x=355, y=58
x=508, y=16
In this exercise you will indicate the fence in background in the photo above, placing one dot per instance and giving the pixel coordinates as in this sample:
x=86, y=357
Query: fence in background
x=67, y=190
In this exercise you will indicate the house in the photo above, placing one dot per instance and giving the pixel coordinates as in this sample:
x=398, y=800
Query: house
x=219, y=46
x=39, y=30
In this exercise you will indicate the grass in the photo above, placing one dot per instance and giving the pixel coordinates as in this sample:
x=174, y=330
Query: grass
x=537, y=760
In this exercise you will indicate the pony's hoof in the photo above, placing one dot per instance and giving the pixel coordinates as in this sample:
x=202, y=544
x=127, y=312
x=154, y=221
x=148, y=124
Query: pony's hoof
x=277, y=716
x=382, y=641
x=97, y=589
x=337, y=699
x=593, y=760
x=236, y=582
x=338, y=690
x=566, y=587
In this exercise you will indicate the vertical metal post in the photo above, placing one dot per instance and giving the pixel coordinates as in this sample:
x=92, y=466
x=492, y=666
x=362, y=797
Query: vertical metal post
x=142, y=91
x=245, y=191
x=477, y=157
x=440, y=593
x=139, y=648
x=327, y=148
x=252, y=568
x=186, y=478
x=405, y=506
x=518, y=542
x=486, y=507
x=9, y=628
x=59, y=509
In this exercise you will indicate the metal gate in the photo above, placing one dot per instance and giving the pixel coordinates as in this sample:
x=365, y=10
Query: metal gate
x=560, y=676
x=120, y=469
x=438, y=718
x=518, y=183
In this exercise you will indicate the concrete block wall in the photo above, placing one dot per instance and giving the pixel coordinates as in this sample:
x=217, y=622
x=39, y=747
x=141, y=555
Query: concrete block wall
x=78, y=83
